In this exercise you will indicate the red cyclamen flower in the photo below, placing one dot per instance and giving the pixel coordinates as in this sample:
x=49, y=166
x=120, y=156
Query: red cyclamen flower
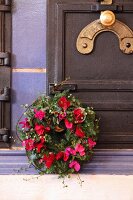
x=91, y=143
x=66, y=156
x=64, y=103
x=79, y=132
x=74, y=164
x=40, y=144
x=79, y=115
x=29, y=144
x=40, y=129
x=49, y=159
x=59, y=155
x=39, y=114
x=25, y=123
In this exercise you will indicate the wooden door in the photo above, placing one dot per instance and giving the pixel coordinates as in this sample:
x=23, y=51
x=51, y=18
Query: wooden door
x=104, y=78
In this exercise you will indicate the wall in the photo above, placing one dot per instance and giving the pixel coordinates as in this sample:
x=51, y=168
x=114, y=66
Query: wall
x=28, y=82
x=29, y=54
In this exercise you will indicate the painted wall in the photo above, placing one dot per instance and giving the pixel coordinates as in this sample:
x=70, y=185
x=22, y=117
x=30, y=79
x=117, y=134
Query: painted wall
x=29, y=54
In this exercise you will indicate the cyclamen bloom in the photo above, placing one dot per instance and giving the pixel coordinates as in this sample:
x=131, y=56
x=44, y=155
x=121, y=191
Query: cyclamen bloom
x=80, y=149
x=49, y=159
x=59, y=155
x=68, y=124
x=29, y=144
x=64, y=103
x=25, y=123
x=74, y=164
x=66, y=156
x=39, y=114
x=79, y=115
x=40, y=129
x=40, y=144
x=79, y=132
x=67, y=153
x=42, y=140
x=91, y=143
x=70, y=151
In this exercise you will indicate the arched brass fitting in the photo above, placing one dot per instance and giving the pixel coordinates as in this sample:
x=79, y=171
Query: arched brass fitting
x=107, y=22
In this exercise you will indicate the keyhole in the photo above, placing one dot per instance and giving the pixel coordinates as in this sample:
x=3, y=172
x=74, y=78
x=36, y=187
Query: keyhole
x=128, y=45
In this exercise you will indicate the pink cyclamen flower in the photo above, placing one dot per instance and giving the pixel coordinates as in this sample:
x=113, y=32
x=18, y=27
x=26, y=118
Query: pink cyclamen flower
x=25, y=123
x=74, y=164
x=80, y=149
x=67, y=153
x=68, y=124
x=91, y=143
x=69, y=150
x=39, y=114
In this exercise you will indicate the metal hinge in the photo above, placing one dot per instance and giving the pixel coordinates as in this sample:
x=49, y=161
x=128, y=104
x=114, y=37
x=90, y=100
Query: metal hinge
x=54, y=90
x=106, y=2
x=6, y=57
x=106, y=5
x=4, y=135
x=100, y=7
x=5, y=94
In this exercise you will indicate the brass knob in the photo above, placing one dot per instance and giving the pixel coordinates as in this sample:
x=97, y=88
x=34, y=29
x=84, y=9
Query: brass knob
x=107, y=18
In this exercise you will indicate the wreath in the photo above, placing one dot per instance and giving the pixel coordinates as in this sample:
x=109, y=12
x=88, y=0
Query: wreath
x=58, y=133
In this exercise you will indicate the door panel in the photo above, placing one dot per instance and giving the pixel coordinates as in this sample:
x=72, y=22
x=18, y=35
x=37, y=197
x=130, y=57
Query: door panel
x=104, y=78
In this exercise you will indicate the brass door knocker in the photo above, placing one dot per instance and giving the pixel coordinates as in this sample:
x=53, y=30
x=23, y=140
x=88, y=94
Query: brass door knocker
x=107, y=22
